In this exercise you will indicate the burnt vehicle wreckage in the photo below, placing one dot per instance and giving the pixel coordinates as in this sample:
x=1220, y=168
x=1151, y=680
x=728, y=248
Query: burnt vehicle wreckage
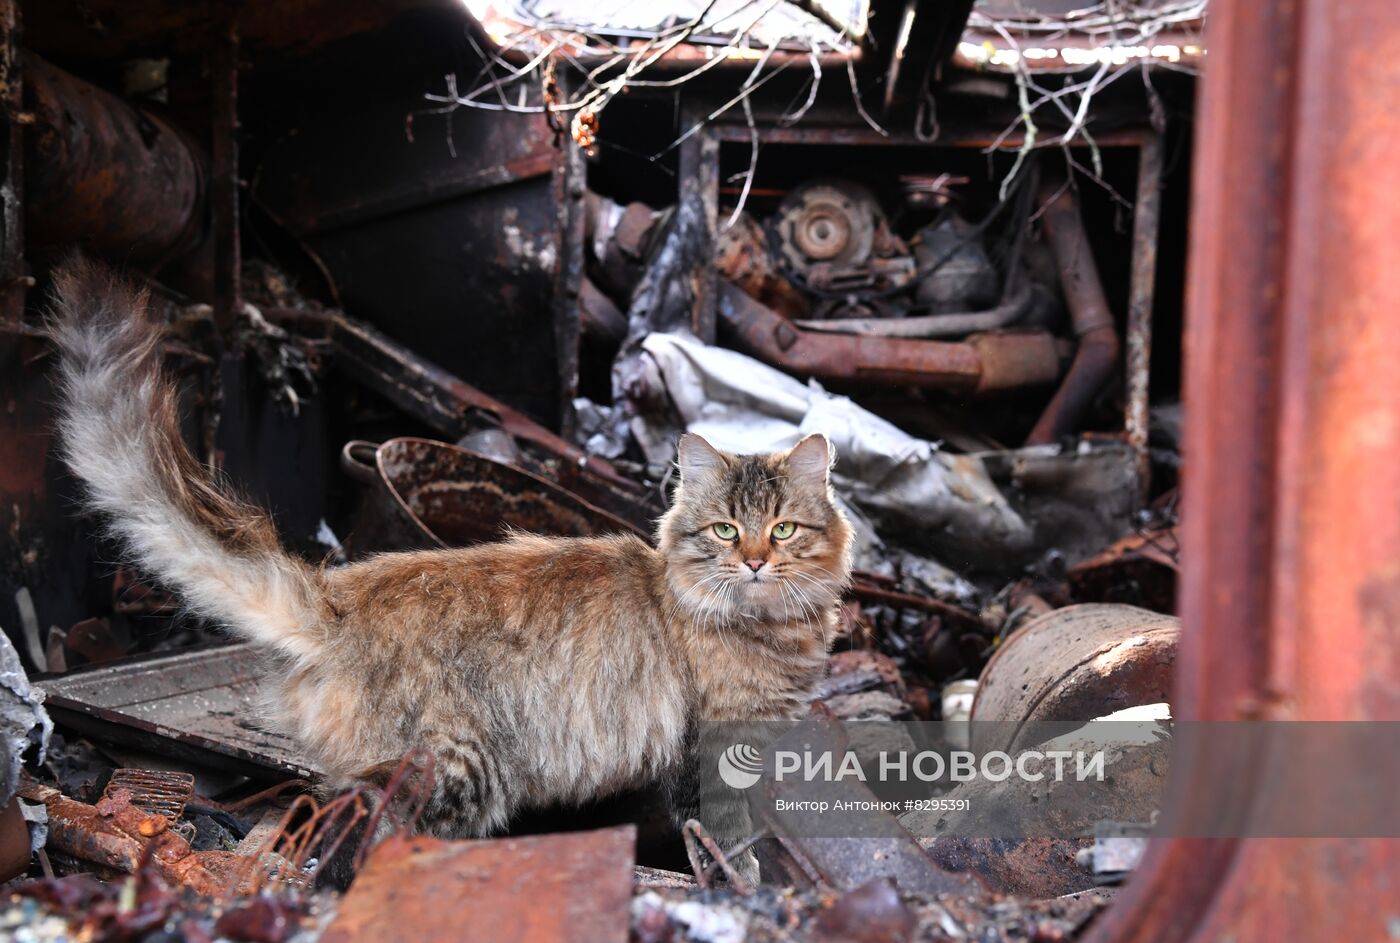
x=431, y=270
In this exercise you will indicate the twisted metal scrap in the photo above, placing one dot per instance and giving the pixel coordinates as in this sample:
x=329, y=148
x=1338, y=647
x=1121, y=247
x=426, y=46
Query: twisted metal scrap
x=286, y=853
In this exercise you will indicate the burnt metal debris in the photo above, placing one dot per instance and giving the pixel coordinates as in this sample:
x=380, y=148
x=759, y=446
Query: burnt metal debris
x=154, y=791
x=1141, y=567
x=406, y=322
x=118, y=837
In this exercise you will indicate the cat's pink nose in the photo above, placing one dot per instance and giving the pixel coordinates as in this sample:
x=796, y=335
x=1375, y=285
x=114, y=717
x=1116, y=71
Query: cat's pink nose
x=755, y=565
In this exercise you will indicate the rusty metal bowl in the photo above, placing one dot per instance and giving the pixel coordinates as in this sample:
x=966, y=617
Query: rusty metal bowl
x=422, y=494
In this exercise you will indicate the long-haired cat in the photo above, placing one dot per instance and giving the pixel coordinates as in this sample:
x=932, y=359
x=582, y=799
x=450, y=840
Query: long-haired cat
x=537, y=670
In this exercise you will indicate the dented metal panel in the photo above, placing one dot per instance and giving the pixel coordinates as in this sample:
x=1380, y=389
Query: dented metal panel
x=569, y=888
x=199, y=706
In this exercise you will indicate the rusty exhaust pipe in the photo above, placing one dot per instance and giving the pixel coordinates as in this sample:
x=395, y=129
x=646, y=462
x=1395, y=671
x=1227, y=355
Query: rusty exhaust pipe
x=1096, y=356
x=984, y=363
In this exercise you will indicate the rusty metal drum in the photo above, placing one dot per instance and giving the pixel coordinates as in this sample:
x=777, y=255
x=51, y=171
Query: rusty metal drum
x=1074, y=664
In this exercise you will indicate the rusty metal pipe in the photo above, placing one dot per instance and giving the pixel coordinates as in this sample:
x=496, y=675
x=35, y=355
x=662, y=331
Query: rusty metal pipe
x=985, y=363
x=76, y=828
x=119, y=181
x=117, y=836
x=1096, y=356
x=931, y=326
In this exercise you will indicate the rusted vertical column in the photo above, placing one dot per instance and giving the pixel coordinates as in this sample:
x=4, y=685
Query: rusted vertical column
x=1147, y=213
x=1290, y=583
x=13, y=276
x=570, y=190
x=699, y=166
x=223, y=185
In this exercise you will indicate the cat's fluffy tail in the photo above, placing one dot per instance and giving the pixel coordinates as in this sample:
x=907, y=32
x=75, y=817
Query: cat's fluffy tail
x=119, y=426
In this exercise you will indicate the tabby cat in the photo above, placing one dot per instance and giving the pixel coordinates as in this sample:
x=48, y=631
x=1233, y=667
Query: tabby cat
x=537, y=670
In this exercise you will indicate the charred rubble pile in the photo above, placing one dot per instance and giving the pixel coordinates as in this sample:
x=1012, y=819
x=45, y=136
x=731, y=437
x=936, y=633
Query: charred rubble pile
x=398, y=340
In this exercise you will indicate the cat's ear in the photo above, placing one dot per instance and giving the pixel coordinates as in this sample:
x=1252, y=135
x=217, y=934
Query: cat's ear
x=698, y=459
x=809, y=461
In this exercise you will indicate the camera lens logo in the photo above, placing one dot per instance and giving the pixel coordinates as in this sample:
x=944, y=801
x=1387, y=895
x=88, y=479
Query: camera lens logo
x=740, y=766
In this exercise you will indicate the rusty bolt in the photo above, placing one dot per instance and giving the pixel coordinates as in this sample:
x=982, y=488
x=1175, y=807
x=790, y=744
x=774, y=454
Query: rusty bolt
x=152, y=826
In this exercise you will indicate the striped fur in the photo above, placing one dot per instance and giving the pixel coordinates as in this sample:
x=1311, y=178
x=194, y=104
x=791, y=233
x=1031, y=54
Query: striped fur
x=537, y=670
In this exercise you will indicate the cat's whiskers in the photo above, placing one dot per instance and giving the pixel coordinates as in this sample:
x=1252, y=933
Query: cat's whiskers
x=715, y=599
x=782, y=585
x=711, y=609
x=788, y=591
x=800, y=598
x=708, y=605
x=824, y=587
x=797, y=600
x=683, y=597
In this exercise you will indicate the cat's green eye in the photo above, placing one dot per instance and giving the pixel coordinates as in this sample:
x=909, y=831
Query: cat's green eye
x=784, y=530
x=726, y=531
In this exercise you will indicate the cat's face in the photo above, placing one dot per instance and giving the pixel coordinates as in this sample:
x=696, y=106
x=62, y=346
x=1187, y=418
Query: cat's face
x=755, y=536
